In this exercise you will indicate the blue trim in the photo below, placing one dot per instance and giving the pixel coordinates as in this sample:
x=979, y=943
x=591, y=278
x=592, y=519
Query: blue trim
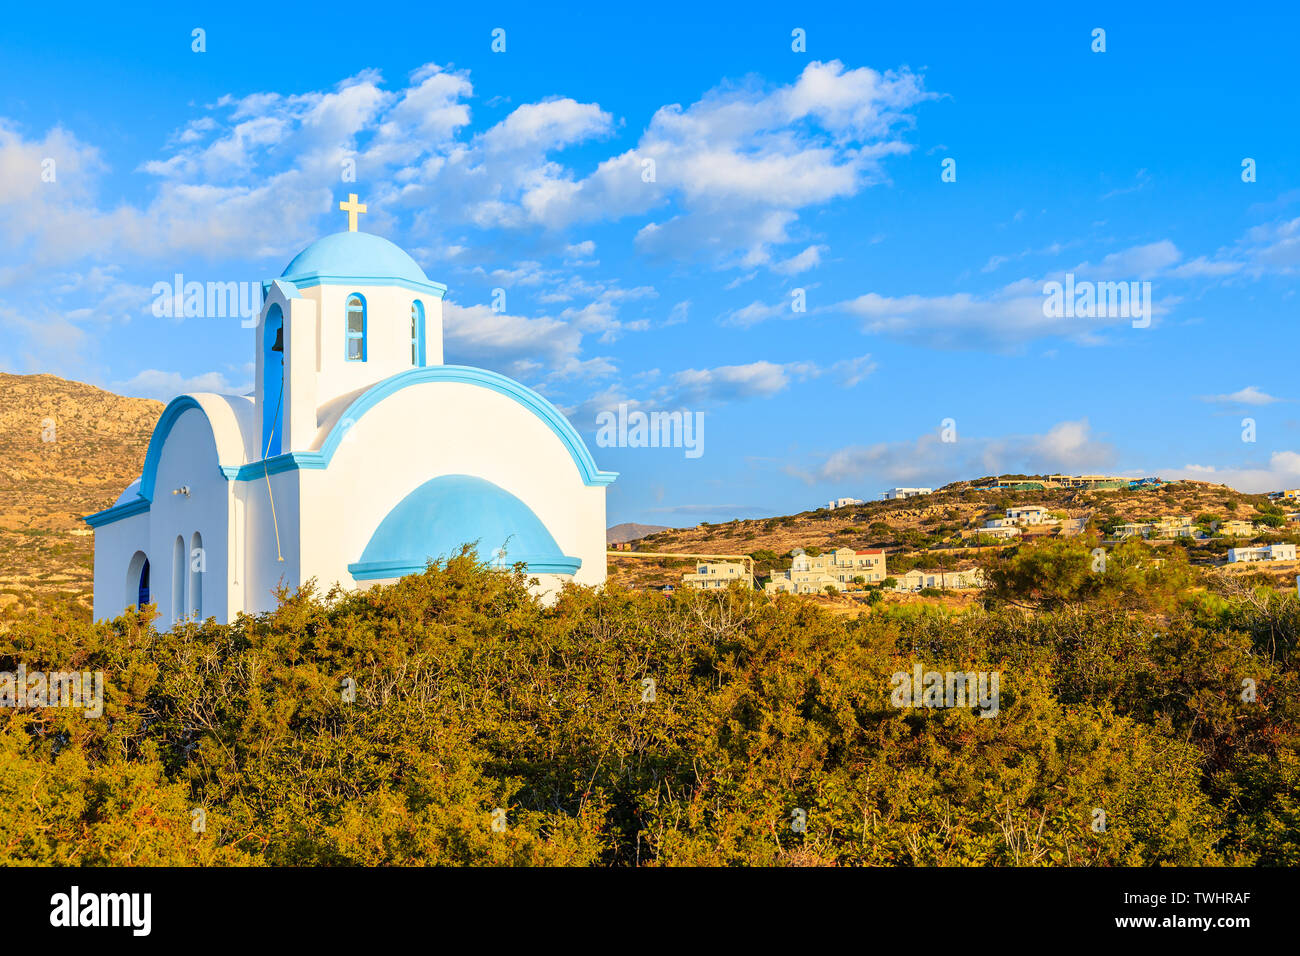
x=287, y=289
x=382, y=570
x=175, y=408
x=117, y=512
x=311, y=280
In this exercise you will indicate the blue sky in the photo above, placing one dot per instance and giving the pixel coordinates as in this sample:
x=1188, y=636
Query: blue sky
x=775, y=170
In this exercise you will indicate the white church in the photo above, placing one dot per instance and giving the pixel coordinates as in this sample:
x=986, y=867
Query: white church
x=358, y=457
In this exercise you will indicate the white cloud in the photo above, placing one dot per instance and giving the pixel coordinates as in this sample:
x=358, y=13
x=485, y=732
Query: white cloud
x=476, y=335
x=1250, y=395
x=733, y=382
x=1282, y=471
x=740, y=163
x=154, y=383
x=810, y=258
x=1007, y=319
x=1066, y=446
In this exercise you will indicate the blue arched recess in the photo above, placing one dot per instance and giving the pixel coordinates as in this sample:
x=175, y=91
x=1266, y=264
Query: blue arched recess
x=272, y=383
x=435, y=519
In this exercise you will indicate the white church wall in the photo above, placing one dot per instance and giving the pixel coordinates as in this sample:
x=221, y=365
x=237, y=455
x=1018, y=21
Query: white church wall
x=388, y=335
x=440, y=428
x=255, y=521
x=301, y=342
x=188, y=459
x=591, y=546
x=115, y=544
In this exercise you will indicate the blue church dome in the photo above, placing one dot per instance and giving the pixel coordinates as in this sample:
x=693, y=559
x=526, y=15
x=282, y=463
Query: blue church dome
x=435, y=519
x=354, y=255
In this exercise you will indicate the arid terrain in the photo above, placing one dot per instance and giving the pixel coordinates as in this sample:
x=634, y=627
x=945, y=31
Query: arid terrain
x=67, y=449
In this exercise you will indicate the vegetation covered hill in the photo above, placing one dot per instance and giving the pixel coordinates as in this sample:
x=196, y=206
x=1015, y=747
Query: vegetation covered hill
x=925, y=532
x=67, y=449
x=450, y=718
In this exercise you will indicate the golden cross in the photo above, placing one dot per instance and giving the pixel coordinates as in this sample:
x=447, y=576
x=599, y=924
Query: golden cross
x=352, y=208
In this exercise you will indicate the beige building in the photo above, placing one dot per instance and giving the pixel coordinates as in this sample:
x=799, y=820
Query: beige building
x=1003, y=532
x=1178, y=527
x=944, y=580
x=1175, y=527
x=811, y=574
x=719, y=574
x=1236, y=528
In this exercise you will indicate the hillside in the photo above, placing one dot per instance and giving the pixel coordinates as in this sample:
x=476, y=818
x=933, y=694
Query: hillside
x=924, y=531
x=67, y=449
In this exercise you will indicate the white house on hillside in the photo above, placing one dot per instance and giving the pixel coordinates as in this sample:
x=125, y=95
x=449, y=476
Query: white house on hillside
x=1263, y=552
x=894, y=493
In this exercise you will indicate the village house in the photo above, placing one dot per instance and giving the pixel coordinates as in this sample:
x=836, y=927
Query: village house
x=1003, y=532
x=943, y=580
x=843, y=503
x=1176, y=527
x=810, y=574
x=1236, y=528
x=896, y=493
x=1264, y=552
x=1029, y=514
x=718, y=574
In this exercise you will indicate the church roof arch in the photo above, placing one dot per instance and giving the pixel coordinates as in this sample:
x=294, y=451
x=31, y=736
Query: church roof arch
x=466, y=374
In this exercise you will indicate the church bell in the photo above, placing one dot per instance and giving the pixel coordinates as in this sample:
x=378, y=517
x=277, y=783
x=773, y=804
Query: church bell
x=279, y=340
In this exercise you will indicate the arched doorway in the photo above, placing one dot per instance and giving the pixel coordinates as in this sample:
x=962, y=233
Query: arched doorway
x=272, y=381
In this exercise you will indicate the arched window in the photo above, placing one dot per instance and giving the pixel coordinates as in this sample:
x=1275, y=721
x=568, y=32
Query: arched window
x=417, y=333
x=178, y=579
x=198, y=564
x=356, y=328
x=137, y=580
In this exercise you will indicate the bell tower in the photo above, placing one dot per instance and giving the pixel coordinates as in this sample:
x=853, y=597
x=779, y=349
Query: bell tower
x=348, y=312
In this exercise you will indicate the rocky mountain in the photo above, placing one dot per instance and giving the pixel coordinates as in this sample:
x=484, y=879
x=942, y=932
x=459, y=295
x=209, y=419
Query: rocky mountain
x=631, y=531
